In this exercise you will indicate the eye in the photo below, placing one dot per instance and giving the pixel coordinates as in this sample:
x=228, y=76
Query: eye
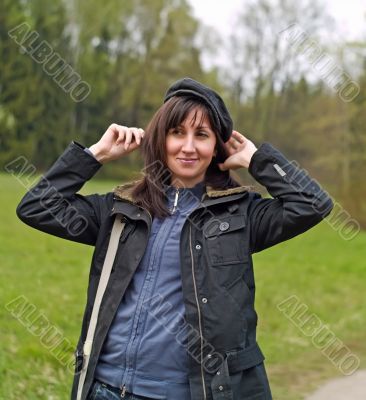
x=176, y=131
x=202, y=133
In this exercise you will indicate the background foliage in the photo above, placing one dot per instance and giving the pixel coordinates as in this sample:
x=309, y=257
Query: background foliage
x=129, y=52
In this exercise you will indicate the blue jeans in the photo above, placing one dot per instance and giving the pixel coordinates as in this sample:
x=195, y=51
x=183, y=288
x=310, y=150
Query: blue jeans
x=101, y=391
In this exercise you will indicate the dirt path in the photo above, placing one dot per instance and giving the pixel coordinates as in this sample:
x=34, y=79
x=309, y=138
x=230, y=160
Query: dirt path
x=346, y=388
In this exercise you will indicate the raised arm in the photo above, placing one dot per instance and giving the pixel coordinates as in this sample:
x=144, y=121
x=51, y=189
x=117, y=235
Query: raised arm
x=53, y=204
x=298, y=201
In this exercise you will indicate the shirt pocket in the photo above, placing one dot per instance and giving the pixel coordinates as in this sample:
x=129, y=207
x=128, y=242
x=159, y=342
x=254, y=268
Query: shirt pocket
x=224, y=239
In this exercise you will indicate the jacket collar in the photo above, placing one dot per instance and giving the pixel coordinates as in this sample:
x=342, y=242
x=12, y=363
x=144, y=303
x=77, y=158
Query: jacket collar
x=124, y=191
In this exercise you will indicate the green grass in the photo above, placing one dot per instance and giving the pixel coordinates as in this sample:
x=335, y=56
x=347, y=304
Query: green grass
x=325, y=272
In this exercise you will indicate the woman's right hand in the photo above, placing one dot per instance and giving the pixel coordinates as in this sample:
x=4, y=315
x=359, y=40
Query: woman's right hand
x=116, y=142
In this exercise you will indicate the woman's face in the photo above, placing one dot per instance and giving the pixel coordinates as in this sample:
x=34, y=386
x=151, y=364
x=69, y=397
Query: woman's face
x=190, y=148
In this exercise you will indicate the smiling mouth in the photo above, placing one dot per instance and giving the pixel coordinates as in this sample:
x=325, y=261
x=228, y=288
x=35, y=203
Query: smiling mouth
x=187, y=161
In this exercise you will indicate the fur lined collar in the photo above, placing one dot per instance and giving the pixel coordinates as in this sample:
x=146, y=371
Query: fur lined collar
x=125, y=191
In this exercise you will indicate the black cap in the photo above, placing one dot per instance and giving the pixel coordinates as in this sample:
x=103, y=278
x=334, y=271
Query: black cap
x=188, y=86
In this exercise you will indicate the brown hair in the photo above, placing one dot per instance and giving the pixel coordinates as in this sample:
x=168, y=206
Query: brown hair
x=149, y=193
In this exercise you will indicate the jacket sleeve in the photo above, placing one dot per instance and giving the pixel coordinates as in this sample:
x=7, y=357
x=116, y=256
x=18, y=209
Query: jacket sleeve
x=298, y=201
x=53, y=205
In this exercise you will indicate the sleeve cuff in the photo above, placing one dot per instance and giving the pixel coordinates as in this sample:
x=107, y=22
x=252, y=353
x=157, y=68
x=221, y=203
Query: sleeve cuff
x=86, y=150
x=264, y=151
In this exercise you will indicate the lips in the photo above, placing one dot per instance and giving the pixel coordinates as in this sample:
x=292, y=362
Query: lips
x=187, y=161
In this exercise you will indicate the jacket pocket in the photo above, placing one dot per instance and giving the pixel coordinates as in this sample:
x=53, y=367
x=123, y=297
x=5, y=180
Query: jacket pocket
x=239, y=292
x=102, y=249
x=128, y=229
x=224, y=240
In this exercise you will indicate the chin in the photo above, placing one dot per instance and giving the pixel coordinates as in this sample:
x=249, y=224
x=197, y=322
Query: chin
x=187, y=175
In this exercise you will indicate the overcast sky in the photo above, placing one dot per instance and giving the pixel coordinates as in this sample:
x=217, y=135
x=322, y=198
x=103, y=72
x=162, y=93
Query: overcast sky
x=349, y=14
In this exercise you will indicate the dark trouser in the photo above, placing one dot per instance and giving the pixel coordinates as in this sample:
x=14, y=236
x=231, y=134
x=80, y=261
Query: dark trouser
x=102, y=391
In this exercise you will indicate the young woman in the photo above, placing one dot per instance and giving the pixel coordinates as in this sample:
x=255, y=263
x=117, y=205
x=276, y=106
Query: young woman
x=177, y=319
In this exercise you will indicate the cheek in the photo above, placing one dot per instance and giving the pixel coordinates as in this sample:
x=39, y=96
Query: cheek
x=171, y=146
x=207, y=151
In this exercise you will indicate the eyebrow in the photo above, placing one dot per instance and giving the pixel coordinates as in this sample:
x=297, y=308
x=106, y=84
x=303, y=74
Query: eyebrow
x=203, y=126
x=199, y=127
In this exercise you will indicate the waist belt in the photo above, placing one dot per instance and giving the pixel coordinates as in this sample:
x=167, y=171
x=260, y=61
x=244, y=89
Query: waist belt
x=234, y=361
x=245, y=358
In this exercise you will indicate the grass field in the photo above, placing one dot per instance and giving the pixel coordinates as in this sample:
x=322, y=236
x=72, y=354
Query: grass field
x=322, y=270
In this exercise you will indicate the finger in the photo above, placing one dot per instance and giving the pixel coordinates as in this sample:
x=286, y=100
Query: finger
x=114, y=129
x=233, y=143
x=128, y=138
x=121, y=134
x=137, y=135
x=238, y=136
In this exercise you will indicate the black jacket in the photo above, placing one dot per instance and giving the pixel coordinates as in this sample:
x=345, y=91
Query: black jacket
x=217, y=241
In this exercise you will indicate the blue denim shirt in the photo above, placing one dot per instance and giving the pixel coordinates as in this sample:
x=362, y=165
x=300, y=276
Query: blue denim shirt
x=141, y=350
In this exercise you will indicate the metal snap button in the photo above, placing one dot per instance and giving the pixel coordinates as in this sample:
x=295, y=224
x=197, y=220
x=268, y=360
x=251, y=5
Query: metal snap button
x=198, y=247
x=204, y=300
x=218, y=373
x=224, y=226
x=138, y=215
x=221, y=387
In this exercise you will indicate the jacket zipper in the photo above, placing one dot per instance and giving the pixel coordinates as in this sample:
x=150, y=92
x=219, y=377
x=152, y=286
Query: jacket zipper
x=199, y=312
x=123, y=388
x=196, y=297
x=123, y=392
x=175, y=200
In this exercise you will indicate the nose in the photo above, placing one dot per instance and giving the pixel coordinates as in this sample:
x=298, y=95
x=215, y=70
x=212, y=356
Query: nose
x=188, y=145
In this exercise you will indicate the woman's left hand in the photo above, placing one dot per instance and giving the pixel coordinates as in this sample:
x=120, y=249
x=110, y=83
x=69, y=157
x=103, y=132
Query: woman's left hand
x=240, y=151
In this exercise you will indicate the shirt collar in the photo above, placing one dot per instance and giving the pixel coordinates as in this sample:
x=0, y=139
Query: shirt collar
x=197, y=187
x=197, y=190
